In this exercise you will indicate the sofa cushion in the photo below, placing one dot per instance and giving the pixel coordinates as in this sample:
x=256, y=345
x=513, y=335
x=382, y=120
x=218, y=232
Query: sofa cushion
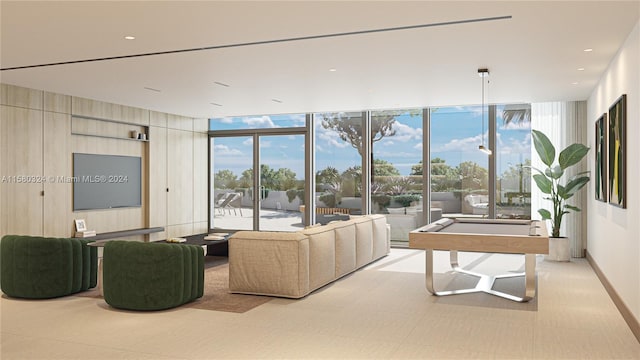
x=345, y=233
x=364, y=245
x=269, y=263
x=322, y=262
x=381, y=245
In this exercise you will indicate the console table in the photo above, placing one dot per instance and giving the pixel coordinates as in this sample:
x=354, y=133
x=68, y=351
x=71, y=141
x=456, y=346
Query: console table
x=123, y=233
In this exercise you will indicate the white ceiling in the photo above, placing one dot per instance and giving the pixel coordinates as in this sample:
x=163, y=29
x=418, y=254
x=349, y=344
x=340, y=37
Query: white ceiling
x=532, y=57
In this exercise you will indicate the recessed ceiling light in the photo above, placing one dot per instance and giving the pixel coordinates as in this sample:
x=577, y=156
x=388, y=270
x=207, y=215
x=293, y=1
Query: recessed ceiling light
x=333, y=70
x=580, y=69
x=575, y=83
x=129, y=37
x=276, y=100
x=221, y=84
x=152, y=89
x=588, y=50
x=215, y=104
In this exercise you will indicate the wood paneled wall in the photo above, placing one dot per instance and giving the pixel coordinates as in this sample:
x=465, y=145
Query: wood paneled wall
x=36, y=141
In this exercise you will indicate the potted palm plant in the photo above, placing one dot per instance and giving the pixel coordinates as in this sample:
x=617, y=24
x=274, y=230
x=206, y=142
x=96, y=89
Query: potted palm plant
x=549, y=182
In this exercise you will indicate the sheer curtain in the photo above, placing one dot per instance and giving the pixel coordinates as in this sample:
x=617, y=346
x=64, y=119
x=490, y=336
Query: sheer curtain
x=564, y=123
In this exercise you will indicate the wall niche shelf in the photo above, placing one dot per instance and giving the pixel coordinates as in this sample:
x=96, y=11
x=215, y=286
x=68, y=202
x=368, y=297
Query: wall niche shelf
x=108, y=129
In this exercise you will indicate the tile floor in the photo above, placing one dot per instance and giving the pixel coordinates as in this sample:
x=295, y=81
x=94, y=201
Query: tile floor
x=382, y=311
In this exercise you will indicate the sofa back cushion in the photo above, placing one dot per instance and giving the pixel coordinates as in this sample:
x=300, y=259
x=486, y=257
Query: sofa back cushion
x=345, y=232
x=322, y=258
x=381, y=245
x=364, y=246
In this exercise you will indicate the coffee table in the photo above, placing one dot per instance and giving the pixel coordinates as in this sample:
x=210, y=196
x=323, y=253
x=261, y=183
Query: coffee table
x=214, y=247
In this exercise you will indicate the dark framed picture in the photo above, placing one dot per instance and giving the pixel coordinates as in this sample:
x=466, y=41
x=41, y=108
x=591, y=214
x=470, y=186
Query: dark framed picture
x=601, y=178
x=617, y=147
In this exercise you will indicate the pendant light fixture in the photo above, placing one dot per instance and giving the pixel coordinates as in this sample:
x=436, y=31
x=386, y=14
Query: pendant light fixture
x=483, y=73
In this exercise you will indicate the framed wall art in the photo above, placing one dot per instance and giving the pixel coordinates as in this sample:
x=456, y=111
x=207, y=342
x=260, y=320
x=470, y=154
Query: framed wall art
x=601, y=178
x=617, y=148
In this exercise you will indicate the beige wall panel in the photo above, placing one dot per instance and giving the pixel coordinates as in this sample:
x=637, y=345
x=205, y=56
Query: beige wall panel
x=58, y=188
x=105, y=128
x=95, y=145
x=159, y=236
x=180, y=177
x=21, y=207
x=112, y=219
x=201, y=227
x=3, y=152
x=200, y=179
x=158, y=119
x=179, y=122
x=158, y=178
x=57, y=103
x=201, y=125
x=99, y=109
x=179, y=230
x=21, y=97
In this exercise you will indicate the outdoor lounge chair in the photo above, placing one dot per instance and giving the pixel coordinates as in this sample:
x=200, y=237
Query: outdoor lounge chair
x=222, y=200
x=233, y=201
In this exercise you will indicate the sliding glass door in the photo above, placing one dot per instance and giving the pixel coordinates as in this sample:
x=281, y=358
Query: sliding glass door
x=281, y=182
x=257, y=179
x=231, y=187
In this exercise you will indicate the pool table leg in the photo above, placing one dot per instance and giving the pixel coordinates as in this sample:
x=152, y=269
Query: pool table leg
x=485, y=282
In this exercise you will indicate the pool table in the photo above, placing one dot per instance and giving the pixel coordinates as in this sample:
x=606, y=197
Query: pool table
x=528, y=237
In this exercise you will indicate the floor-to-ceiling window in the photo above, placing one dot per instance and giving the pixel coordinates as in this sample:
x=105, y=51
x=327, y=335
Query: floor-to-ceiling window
x=513, y=161
x=459, y=171
x=338, y=164
x=370, y=162
x=396, y=176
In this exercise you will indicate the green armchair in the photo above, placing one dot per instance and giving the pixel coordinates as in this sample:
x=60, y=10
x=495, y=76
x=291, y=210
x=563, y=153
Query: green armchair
x=34, y=267
x=151, y=276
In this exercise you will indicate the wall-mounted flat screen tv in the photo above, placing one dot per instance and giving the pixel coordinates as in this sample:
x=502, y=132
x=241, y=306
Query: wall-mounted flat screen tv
x=106, y=181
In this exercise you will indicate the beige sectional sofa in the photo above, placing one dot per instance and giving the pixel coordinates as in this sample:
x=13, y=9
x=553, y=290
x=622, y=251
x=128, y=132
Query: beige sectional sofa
x=293, y=264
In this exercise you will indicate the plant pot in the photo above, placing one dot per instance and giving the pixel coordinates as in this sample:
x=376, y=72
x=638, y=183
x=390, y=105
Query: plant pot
x=559, y=249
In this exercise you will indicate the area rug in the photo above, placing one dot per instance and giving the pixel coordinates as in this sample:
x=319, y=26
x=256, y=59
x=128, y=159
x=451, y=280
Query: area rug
x=216, y=290
x=216, y=293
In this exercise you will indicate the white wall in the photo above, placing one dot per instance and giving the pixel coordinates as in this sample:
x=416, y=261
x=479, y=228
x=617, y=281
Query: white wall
x=613, y=233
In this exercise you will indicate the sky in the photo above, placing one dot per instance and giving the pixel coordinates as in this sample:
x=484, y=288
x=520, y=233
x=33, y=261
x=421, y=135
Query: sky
x=456, y=133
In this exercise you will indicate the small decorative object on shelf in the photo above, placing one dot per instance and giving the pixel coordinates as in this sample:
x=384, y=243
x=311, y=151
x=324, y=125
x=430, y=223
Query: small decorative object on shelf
x=177, y=240
x=80, y=225
x=135, y=134
x=81, y=229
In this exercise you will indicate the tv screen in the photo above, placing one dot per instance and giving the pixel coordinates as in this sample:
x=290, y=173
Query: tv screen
x=106, y=181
